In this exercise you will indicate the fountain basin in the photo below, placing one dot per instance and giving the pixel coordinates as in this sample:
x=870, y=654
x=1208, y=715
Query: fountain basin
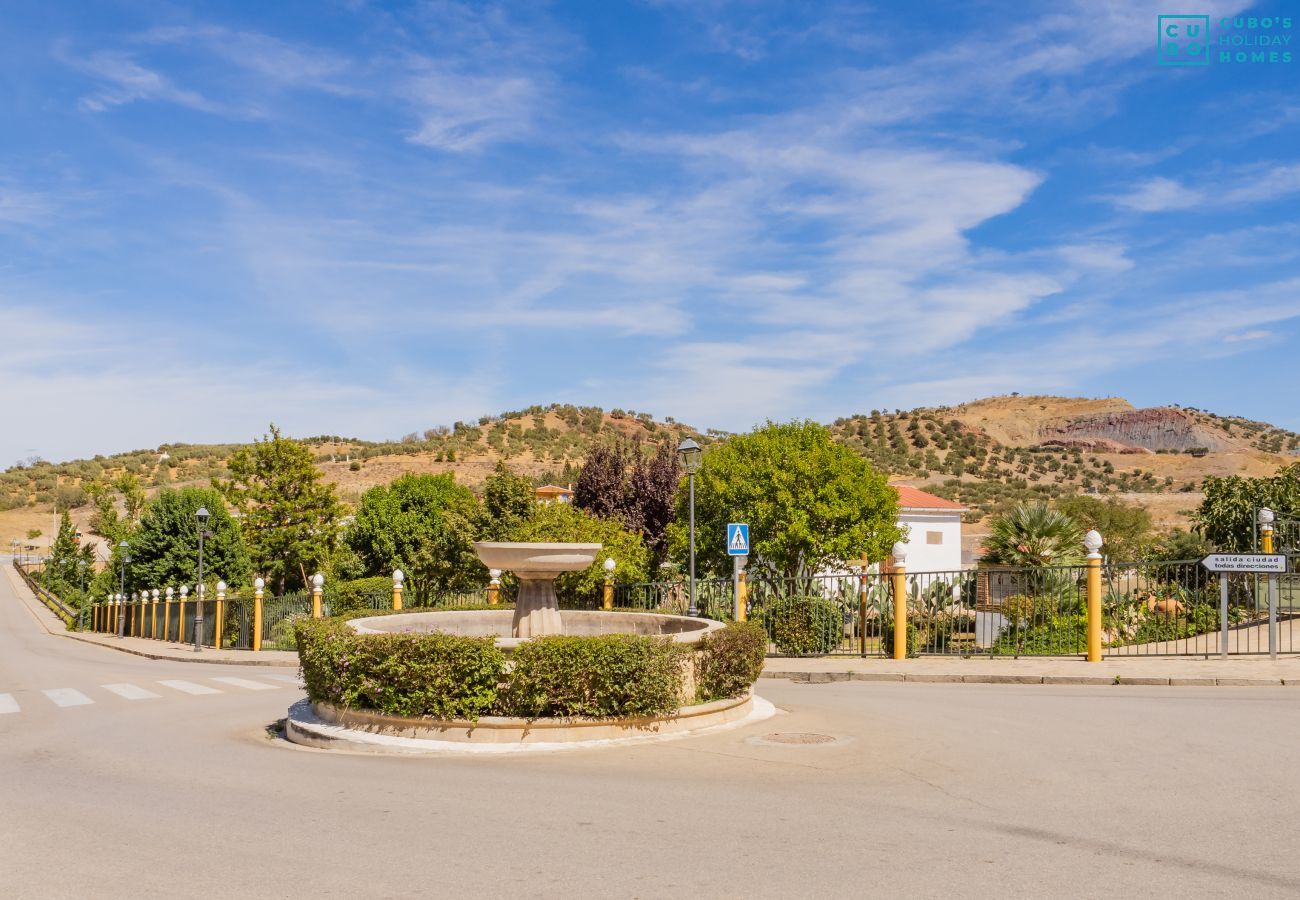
x=540, y=559
x=500, y=625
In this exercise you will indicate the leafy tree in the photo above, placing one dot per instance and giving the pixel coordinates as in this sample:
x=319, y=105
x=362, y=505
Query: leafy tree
x=290, y=516
x=653, y=486
x=621, y=482
x=1127, y=529
x=165, y=547
x=565, y=522
x=602, y=488
x=1033, y=536
x=507, y=501
x=1226, y=516
x=425, y=526
x=810, y=502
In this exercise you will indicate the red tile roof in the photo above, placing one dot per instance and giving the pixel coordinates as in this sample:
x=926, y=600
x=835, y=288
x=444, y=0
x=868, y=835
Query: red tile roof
x=912, y=498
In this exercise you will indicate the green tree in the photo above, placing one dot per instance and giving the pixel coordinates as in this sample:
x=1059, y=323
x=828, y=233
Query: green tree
x=565, y=522
x=290, y=515
x=70, y=565
x=508, y=499
x=165, y=547
x=1033, y=536
x=424, y=525
x=810, y=502
x=1127, y=530
x=1226, y=517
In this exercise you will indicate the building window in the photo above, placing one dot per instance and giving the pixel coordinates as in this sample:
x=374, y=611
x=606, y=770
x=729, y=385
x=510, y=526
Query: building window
x=934, y=537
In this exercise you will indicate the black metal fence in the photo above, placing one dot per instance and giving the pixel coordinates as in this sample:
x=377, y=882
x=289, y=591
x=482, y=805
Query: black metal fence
x=1165, y=608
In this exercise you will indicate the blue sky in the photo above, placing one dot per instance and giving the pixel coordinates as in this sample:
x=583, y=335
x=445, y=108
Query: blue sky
x=370, y=218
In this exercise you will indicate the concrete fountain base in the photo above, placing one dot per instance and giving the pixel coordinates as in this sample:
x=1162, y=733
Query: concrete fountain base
x=327, y=727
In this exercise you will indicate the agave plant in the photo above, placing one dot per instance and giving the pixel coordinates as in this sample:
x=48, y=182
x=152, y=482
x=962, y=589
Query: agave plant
x=1034, y=536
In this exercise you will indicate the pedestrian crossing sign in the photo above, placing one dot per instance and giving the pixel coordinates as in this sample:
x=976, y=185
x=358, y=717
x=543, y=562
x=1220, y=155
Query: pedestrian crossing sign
x=737, y=539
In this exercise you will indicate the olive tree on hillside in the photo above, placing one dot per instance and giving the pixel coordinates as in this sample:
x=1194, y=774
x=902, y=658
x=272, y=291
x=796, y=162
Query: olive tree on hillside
x=810, y=502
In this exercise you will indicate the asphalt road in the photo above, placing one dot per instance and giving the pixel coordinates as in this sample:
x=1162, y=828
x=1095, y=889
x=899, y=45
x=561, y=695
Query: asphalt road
x=926, y=791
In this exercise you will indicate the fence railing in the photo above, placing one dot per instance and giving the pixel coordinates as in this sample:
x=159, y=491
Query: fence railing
x=68, y=614
x=1169, y=608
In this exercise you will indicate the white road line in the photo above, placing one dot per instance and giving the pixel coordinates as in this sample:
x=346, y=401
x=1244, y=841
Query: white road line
x=291, y=679
x=67, y=697
x=130, y=691
x=245, y=683
x=8, y=704
x=189, y=687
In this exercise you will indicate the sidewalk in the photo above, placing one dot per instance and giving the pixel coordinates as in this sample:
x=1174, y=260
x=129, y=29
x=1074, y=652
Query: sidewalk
x=1254, y=671
x=143, y=646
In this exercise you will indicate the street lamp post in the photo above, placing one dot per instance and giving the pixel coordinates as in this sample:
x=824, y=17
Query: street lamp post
x=124, y=550
x=202, y=516
x=691, y=457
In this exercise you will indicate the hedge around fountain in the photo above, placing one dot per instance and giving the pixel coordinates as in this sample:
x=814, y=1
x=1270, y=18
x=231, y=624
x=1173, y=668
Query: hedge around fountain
x=445, y=677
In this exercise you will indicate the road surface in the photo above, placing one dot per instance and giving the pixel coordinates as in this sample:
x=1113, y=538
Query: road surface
x=133, y=778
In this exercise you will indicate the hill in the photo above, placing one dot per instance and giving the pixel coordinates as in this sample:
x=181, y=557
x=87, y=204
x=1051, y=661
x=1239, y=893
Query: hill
x=985, y=454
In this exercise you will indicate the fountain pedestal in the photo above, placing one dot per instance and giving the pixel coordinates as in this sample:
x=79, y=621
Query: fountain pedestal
x=537, y=611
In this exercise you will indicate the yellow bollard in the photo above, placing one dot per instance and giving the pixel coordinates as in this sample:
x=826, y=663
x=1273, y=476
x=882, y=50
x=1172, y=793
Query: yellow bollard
x=900, y=603
x=1092, y=541
x=1266, y=537
x=257, y=613
x=221, y=614
x=136, y=607
x=398, y=578
x=153, y=607
x=317, y=583
x=180, y=615
x=167, y=612
x=608, y=600
x=494, y=586
x=742, y=596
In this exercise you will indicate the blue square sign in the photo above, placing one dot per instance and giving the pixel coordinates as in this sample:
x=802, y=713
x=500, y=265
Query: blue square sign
x=737, y=539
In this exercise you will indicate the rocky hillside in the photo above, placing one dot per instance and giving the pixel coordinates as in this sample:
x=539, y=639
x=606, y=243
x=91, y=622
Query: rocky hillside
x=985, y=453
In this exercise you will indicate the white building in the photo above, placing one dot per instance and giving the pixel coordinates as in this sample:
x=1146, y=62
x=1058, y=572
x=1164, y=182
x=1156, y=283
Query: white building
x=934, y=530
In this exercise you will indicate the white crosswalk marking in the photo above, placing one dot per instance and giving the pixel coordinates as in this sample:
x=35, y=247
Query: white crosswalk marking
x=245, y=683
x=291, y=679
x=67, y=697
x=130, y=691
x=8, y=704
x=189, y=687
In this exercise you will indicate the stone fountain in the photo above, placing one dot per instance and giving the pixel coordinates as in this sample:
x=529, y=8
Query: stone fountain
x=537, y=611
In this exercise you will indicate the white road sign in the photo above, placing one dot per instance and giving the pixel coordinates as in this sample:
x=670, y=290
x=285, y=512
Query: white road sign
x=1245, y=562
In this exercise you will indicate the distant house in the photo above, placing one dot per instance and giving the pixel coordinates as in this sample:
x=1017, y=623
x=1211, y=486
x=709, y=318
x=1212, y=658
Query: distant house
x=553, y=493
x=934, y=530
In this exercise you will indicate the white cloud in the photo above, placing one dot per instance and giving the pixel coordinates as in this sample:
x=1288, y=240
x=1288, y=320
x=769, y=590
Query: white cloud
x=1157, y=195
x=467, y=112
x=1257, y=335
x=126, y=81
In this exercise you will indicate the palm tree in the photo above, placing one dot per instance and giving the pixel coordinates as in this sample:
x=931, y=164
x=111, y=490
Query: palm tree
x=1034, y=536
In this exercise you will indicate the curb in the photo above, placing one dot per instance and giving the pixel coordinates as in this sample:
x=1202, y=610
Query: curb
x=937, y=678
x=195, y=658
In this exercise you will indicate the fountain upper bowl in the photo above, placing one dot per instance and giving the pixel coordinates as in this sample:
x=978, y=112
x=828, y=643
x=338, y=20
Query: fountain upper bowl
x=540, y=558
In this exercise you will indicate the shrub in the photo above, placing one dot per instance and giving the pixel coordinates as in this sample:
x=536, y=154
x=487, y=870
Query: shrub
x=729, y=660
x=804, y=626
x=439, y=675
x=361, y=594
x=610, y=675
x=887, y=639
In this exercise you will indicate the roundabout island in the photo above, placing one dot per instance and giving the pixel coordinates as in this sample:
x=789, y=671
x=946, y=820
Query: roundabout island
x=532, y=678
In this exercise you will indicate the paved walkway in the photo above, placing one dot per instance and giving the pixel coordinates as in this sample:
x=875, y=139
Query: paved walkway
x=1246, y=671
x=1151, y=670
